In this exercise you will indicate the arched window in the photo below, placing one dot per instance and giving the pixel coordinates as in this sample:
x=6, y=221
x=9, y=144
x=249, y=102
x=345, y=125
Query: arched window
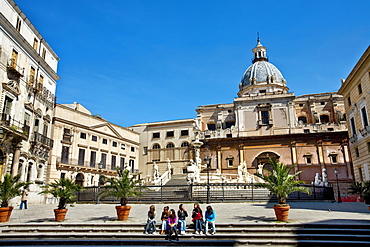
x=156, y=146
x=324, y=118
x=170, y=145
x=303, y=119
x=185, y=144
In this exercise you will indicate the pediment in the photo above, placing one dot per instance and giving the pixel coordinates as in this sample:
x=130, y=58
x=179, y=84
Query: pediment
x=107, y=129
x=12, y=86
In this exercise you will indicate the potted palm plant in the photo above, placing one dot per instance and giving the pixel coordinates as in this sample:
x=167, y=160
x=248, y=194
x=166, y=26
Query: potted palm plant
x=10, y=187
x=280, y=182
x=64, y=189
x=362, y=189
x=122, y=187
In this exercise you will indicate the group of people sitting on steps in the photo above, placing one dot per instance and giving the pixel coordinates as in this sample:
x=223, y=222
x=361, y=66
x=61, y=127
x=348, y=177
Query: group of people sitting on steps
x=172, y=222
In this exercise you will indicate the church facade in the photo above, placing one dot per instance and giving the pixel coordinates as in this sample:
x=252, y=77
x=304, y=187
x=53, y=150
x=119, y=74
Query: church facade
x=267, y=121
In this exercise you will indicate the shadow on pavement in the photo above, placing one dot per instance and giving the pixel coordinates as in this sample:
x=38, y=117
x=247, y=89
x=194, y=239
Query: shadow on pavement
x=252, y=218
x=41, y=220
x=102, y=218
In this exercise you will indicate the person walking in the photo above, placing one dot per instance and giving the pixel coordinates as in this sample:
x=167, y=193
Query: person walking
x=197, y=216
x=151, y=220
x=210, y=216
x=182, y=214
x=164, y=218
x=24, y=197
x=172, y=225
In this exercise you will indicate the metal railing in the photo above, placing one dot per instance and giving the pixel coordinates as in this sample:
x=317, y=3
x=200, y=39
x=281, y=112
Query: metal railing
x=223, y=192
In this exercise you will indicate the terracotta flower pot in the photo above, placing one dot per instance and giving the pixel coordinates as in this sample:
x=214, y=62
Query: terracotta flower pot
x=60, y=214
x=123, y=212
x=282, y=212
x=5, y=213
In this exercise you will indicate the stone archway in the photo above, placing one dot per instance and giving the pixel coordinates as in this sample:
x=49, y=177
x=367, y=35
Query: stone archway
x=80, y=179
x=264, y=160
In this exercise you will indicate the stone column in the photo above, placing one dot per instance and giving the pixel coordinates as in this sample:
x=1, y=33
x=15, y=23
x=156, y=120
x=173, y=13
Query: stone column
x=241, y=153
x=219, y=161
x=16, y=156
x=320, y=154
x=346, y=159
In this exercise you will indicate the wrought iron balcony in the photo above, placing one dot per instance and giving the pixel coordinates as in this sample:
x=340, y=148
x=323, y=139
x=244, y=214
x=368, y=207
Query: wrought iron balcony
x=38, y=138
x=14, y=69
x=14, y=126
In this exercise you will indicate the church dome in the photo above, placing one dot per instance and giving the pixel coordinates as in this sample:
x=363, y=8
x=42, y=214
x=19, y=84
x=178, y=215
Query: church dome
x=261, y=76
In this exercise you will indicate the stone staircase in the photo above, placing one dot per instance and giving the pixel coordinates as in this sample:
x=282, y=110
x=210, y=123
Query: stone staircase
x=114, y=234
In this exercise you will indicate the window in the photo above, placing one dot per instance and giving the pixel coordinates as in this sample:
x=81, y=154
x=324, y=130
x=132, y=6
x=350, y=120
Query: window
x=324, y=119
x=19, y=24
x=14, y=59
x=303, y=119
x=35, y=44
x=357, y=152
x=83, y=135
x=27, y=119
x=330, y=129
x=334, y=159
x=31, y=80
x=8, y=107
x=156, y=146
x=43, y=53
x=170, y=145
x=46, y=128
x=65, y=155
x=211, y=126
x=184, y=132
x=262, y=91
x=145, y=150
x=41, y=82
x=132, y=149
x=122, y=164
x=114, y=144
x=300, y=105
x=349, y=101
x=113, y=163
x=229, y=135
x=94, y=138
x=364, y=116
x=123, y=146
x=67, y=136
x=105, y=141
x=63, y=175
x=156, y=135
x=92, y=159
x=322, y=103
x=308, y=159
x=353, y=126
x=185, y=144
x=228, y=125
x=230, y=162
x=170, y=134
x=265, y=117
x=103, y=160
x=81, y=157
x=359, y=89
x=306, y=131
x=132, y=164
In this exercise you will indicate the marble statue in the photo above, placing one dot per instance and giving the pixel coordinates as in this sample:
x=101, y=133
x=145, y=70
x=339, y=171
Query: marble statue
x=260, y=168
x=240, y=173
x=324, y=177
x=155, y=171
x=318, y=181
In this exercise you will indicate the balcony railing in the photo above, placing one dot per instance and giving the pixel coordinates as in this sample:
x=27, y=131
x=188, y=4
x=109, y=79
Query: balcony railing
x=14, y=69
x=46, y=141
x=13, y=125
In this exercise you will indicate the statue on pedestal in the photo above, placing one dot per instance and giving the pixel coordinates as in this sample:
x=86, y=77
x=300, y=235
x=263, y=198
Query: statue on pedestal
x=155, y=171
x=260, y=169
x=324, y=177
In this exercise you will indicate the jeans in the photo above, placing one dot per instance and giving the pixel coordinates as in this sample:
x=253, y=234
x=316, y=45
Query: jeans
x=198, y=225
x=182, y=224
x=164, y=225
x=23, y=203
x=172, y=230
x=147, y=227
x=213, y=228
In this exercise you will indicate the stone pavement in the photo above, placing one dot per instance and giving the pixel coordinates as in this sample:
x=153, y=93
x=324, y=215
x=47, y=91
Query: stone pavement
x=229, y=213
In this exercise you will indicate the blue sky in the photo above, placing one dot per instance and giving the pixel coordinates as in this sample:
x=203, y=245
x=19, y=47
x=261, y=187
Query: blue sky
x=137, y=61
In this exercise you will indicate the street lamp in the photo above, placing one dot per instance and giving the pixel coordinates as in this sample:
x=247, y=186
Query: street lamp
x=336, y=174
x=100, y=166
x=208, y=162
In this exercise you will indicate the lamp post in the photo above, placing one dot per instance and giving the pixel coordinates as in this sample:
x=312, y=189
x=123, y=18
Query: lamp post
x=100, y=166
x=336, y=174
x=208, y=162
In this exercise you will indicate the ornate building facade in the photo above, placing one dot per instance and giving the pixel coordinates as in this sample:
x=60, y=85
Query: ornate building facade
x=87, y=147
x=355, y=90
x=266, y=120
x=28, y=75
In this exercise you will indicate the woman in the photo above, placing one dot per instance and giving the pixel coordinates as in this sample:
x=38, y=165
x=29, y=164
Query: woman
x=172, y=224
x=210, y=216
x=197, y=216
x=182, y=214
x=151, y=220
x=164, y=219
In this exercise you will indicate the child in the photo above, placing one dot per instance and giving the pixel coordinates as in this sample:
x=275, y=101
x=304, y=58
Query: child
x=210, y=219
x=172, y=225
x=182, y=214
x=151, y=220
x=164, y=219
x=197, y=216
